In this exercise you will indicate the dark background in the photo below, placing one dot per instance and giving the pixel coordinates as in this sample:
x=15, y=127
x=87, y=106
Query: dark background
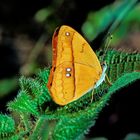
x=19, y=32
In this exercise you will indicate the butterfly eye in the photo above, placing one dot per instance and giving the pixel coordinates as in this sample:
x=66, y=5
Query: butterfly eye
x=68, y=74
x=67, y=34
x=103, y=64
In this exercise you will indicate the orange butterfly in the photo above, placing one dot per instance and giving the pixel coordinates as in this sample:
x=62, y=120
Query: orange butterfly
x=75, y=67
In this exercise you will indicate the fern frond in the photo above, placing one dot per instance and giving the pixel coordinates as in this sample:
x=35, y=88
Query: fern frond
x=23, y=104
x=44, y=75
x=120, y=62
x=7, y=126
x=35, y=89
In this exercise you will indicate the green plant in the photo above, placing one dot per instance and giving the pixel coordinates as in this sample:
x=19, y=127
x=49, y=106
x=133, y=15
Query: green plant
x=33, y=114
x=109, y=17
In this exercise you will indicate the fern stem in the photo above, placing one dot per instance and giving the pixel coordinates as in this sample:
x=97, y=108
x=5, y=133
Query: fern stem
x=26, y=121
x=43, y=129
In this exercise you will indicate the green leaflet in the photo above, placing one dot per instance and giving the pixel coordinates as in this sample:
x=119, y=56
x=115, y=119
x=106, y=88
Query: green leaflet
x=7, y=125
x=23, y=104
x=124, y=80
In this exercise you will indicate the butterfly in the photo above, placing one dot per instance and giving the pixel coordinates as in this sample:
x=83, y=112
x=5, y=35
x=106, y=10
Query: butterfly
x=75, y=67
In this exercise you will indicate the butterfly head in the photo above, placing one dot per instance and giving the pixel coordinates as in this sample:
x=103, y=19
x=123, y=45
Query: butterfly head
x=104, y=65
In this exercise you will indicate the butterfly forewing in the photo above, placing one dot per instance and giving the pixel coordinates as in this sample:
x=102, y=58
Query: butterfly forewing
x=77, y=67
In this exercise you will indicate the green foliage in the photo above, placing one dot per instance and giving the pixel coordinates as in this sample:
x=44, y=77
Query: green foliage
x=121, y=62
x=130, y=23
x=23, y=104
x=34, y=115
x=41, y=127
x=38, y=117
x=43, y=14
x=132, y=136
x=7, y=126
x=110, y=17
x=48, y=17
x=7, y=85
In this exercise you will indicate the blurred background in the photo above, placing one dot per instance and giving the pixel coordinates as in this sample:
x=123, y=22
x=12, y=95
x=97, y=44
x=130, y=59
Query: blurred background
x=26, y=29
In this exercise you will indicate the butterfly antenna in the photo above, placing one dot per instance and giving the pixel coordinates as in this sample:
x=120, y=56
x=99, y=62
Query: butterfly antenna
x=107, y=44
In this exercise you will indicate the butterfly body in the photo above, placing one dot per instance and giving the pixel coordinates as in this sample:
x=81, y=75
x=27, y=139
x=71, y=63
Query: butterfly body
x=102, y=78
x=75, y=67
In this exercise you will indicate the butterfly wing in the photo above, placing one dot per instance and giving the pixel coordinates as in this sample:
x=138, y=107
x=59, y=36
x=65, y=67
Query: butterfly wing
x=76, y=67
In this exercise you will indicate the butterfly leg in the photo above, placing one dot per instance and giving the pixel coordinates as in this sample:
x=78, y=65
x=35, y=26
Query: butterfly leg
x=92, y=95
x=107, y=80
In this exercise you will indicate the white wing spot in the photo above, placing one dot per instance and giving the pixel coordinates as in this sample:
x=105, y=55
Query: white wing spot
x=68, y=69
x=67, y=34
x=68, y=74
